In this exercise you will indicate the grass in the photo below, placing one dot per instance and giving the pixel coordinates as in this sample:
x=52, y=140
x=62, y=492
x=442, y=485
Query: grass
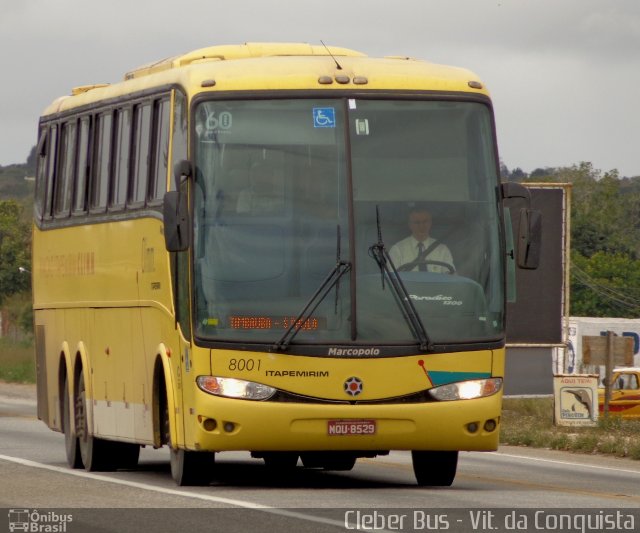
x=17, y=361
x=529, y=422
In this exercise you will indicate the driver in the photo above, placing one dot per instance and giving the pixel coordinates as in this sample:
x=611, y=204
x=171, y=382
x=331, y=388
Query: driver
x=418, y=251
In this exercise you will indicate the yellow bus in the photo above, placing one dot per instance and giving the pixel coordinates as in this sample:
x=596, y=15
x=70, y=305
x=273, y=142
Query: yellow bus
x=215, y=264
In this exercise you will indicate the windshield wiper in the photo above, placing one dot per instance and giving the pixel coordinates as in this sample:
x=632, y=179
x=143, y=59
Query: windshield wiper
x=332, y=280
x=379, y=252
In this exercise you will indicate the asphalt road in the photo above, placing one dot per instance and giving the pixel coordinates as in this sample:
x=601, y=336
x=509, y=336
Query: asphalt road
x=246, y=496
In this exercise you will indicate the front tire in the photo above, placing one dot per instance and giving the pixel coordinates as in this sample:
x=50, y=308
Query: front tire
x=190, y=468
x=434, y=469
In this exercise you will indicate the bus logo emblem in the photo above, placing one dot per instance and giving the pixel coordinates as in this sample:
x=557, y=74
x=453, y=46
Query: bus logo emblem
x=19, y=520
x=353, y=386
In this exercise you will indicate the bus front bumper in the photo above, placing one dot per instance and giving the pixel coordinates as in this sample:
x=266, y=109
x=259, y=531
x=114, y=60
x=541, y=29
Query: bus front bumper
x=227, y=424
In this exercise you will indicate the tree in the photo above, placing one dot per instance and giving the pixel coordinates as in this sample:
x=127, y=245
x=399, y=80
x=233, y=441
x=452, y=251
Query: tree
x=604, y=219
x=15, y=250
x=605, y=239
x=605, y=285
x=605, y=242
x=542, y=174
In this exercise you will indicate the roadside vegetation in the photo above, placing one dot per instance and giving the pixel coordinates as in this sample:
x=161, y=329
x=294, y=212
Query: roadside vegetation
x=17, y=361
x=529, y=422
x=16, y=318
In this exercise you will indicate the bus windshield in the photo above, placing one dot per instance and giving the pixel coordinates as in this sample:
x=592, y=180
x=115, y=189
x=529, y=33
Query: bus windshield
x=393, y=200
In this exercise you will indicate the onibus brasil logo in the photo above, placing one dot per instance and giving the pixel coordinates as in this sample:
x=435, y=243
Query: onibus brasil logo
x=38, y=522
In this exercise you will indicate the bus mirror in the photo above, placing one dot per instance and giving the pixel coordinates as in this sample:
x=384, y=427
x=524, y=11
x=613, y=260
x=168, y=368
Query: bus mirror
x=181, y=171
x=176, y=221
x=529, y=238
x=514, y=190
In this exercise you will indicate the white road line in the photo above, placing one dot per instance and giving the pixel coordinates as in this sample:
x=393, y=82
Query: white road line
x=174, y=492
x=18, y=401
x=498, y=454
x=566, y=463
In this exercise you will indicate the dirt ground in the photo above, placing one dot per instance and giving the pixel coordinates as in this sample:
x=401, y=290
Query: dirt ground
x=18, y=390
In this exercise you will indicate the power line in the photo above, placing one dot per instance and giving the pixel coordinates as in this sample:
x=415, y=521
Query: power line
x=617, y=299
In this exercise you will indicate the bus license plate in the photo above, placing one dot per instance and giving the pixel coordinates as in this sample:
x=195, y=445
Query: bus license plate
x=351, y=427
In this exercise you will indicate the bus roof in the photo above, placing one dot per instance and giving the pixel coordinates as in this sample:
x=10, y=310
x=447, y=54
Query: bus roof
x=241, y=51
x=278, y=66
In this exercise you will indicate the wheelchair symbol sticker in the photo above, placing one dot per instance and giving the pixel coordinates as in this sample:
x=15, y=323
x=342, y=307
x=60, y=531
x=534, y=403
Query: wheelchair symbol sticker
x=324, y=117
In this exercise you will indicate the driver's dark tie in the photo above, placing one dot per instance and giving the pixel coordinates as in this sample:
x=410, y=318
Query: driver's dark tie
x=421, y=266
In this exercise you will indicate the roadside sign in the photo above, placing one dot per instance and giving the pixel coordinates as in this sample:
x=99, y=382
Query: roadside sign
x=576, y=399
x=594, y=350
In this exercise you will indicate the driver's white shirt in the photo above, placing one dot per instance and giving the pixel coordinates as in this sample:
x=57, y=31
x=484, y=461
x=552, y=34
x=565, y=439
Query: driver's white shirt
x=406, y=250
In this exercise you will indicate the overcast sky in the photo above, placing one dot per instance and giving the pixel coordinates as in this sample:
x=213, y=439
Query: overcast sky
x=564, y=74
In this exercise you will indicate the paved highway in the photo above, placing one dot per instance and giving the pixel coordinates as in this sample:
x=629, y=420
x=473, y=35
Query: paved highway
x=247, y=496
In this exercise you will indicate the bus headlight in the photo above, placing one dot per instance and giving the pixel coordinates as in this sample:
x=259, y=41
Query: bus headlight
x=467, y=390
x=235, y=388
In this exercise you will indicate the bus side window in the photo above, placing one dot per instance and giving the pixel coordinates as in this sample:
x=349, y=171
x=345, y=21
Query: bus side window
x=64, y=183
x=52, y=148
x=121, y=158
x=100, y=171
x=141, y=142
x=83, y=166
x=160, y=152
x=179, y=139
x=41, y=173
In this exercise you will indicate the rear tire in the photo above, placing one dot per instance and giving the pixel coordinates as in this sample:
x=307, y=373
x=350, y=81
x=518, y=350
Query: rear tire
x=434, y=469
x=99, y=455
x=71, y=444
x=190, y=468
x=93, y=455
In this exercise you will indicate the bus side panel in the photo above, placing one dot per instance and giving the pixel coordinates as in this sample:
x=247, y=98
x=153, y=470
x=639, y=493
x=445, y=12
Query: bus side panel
x=123, y=371
x=112, y=373
x=159, y=325
x=41, y=375
x=118, y=373
x=51, y=350
x=139, y=395
x=104, y=287
x=47, y=356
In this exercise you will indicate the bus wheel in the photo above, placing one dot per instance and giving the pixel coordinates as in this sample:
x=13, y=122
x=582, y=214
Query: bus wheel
x=99, y=454
x=434, y=469
x=72, y=446
x=190, y=468
x=94, y=456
